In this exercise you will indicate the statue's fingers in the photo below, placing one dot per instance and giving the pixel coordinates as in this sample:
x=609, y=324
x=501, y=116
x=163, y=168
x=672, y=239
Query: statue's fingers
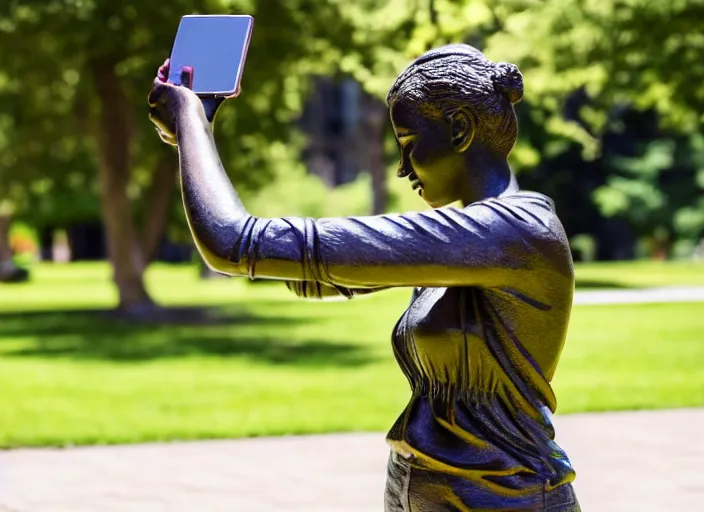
x=163, y=73
x=168, y=138
x=165, y=133
x=155, y=118
x=158, y=93
x=155, y=93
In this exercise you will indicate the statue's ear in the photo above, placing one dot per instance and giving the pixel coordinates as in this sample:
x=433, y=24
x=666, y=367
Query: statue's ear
x=462, y=128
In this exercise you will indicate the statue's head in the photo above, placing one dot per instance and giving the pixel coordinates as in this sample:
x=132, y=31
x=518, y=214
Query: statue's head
x=452, y=109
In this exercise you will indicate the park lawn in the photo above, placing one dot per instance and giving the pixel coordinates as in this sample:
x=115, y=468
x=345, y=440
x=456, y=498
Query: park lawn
x=266, y=363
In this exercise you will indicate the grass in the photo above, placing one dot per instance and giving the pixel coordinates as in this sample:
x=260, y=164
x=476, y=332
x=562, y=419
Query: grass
x=249, y=359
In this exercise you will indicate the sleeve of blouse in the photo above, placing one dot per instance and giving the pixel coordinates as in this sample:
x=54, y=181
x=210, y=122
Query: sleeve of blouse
x=320, y=291
x=489, y=243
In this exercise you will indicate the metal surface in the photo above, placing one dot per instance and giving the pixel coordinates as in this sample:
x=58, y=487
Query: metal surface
x=492, y=282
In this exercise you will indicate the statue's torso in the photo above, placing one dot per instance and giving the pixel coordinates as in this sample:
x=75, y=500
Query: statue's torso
x=479, y=361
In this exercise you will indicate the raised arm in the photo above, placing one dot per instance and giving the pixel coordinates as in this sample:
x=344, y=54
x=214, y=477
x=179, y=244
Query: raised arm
x=443, y=247
x=486, y=244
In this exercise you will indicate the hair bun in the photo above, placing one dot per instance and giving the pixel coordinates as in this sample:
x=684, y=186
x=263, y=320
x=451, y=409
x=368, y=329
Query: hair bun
x=508, y=81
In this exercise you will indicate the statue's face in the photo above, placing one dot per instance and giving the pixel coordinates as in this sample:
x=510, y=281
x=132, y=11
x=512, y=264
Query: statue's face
x=429, y=159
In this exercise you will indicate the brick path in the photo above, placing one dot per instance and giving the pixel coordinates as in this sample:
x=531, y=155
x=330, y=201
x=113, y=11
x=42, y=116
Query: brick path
x=630, y=462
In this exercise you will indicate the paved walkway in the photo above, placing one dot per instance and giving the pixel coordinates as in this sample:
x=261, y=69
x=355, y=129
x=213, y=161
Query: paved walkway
x=640, y=296
x=629, y=462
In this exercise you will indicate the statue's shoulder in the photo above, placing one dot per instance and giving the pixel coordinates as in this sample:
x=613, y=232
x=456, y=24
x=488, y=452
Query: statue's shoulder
x=524, y=205
x=532, y=214
x=529, y=198
x=536, y=215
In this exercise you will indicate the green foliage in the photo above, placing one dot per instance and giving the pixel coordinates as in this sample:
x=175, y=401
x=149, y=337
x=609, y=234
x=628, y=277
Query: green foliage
x=657, y=188
x=598, y=69
x=584, y=246
x=46, y=166
x=295, y=192
x=634, y=190
x=639, y=52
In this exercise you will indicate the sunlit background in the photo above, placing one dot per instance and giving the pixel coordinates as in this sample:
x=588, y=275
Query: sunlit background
x=112, y=330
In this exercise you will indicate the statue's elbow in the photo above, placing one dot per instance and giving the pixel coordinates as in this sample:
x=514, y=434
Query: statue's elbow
x=216, y=257
x=215, y=234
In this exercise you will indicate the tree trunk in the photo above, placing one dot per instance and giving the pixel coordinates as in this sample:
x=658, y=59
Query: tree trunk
x=6, y=264
x=158, y=203
x=115, y=128
x=46, y=243
x=375, y=117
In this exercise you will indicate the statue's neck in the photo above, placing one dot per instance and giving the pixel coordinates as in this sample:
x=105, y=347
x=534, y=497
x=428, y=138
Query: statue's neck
x=487, y=176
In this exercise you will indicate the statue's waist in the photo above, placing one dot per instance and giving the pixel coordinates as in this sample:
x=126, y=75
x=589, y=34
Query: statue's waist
x=479, y=442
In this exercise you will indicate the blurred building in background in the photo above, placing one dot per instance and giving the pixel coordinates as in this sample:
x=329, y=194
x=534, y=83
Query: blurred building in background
x=332, y=121
x=345, y=129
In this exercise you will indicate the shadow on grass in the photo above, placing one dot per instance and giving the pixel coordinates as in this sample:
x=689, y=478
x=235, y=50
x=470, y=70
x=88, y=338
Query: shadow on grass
x=585, y=284
x=170, y=333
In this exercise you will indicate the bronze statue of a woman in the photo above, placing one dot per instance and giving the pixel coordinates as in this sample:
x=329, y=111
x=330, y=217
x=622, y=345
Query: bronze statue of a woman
x=492, y=282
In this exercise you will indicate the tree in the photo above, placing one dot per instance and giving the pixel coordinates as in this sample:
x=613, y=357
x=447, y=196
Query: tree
x=645, y=54
x=102, y=55
x=32, y=142
x=634, y=68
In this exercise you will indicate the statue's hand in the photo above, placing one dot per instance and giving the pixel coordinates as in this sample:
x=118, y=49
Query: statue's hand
x=169, y=104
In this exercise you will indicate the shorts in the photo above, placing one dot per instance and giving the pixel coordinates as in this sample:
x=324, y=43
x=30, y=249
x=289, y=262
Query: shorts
x=412, y=489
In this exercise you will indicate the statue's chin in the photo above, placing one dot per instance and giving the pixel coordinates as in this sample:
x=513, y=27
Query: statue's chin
x=435, y=203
